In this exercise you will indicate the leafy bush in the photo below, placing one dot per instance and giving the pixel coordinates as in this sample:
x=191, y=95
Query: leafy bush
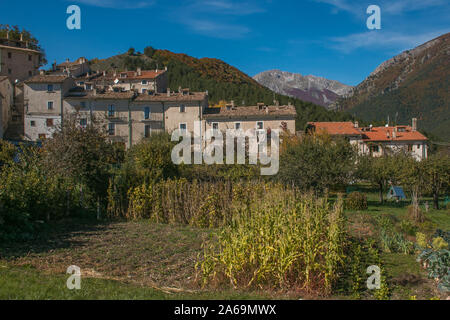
x=408, y=227
x=437, y=262
x=421, y=240
x=298, y=246
x=439, y=243
x=356, y=201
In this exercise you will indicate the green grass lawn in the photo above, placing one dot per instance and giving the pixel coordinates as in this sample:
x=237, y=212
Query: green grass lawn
x=141, y=260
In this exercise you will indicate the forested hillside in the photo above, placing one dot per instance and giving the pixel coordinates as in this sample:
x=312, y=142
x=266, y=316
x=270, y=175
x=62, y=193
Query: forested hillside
x=223, y=82
x=414, y=83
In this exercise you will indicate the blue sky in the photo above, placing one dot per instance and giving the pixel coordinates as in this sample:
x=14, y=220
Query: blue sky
x=326, y=38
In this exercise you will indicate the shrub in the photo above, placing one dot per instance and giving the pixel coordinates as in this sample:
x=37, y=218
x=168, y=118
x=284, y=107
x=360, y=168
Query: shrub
x=296, y=246
x=439, y=243
x=408, y=227
x=421, y=240
x=356, y=201
x=437, y=263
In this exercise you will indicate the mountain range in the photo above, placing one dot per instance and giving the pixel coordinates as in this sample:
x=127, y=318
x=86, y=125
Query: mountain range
x=310, y=88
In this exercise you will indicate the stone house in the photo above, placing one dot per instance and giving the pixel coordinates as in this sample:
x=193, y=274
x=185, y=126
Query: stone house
x=378, y=141
x=6, y=101
x=17, y=60
x=43, y=104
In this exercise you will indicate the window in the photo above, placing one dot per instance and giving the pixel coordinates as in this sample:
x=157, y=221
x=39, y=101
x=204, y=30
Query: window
x=9, y=55
x=49, y=122
x=50, y=105
x=259, y=125
x=148, y=130
x=409, y=147
x=374, y=148
x=83, y=104
x=147, y=113
x=182, y=108
x=88, y=87
x=111, y=110
x=111, y=129
x=33, y=123
x=49, y=87
x=144, y=90
x=183, y=127
x=418, y=146
x=9, y=71
x=215, y=126
x=144, y=82
x=237, y=125
x=30, y=73
x=29, y=57
x=83, y=122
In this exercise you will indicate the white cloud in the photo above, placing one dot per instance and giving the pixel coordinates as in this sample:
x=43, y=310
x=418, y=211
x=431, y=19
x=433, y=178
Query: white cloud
x=118, y=4
x=393, y=7
x=227, y=7
x=216, y=18
x=216, y=29
x=379, y=40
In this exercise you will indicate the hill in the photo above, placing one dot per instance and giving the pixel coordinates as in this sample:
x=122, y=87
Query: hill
x=310, y=88
x=223, y=81
x=414, y=83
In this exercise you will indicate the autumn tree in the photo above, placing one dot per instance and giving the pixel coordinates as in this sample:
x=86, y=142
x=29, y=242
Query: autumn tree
x=316, y=161
x=436, y=175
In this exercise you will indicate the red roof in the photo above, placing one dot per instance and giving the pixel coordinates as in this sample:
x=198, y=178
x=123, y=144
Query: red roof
x=145, y=74
x=336, y=128
x=403, y=133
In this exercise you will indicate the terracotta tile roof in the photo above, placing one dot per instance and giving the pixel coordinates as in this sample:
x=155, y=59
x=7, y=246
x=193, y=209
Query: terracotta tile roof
x=387, y=133
x=46, y=79
x=174, y=96
x=336, y=128
x=92, y=95
x=239, y=112
x=132, y=75
x=374, y=134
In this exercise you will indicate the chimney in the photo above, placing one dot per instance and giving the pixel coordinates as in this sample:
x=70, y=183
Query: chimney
x=7, y=34
x=414, y=124
x=165, y=68
x=54, y=66
x=168, y=92
x=232, y=103
x=356, y=124
x=266, y=109
x=179, y=89
x=94, y=91
x=394, y=133
x=104, y=73
x=139, y=71
x=21, y=36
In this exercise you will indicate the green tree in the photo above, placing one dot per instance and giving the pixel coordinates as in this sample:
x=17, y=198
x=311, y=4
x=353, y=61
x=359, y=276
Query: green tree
x=382, y=171
x=316, y=161
x=83, y=155
x=436, y=175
